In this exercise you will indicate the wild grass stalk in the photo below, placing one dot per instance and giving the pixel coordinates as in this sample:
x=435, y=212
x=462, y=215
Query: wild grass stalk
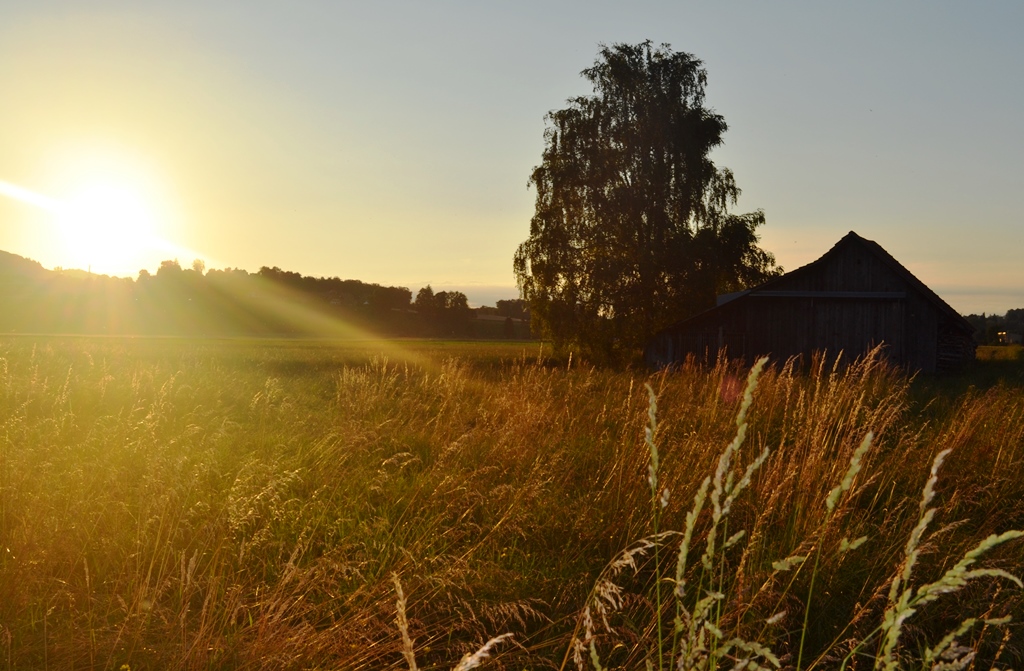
x=659, y=500
x=468, y=661
x=846, y=545
x=904, y=602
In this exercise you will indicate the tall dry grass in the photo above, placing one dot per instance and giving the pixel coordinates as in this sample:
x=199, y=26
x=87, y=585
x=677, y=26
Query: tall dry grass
x=734, y=609
x=169, y=504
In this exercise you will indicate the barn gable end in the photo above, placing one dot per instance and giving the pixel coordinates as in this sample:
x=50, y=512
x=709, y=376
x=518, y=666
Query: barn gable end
x=853, y=298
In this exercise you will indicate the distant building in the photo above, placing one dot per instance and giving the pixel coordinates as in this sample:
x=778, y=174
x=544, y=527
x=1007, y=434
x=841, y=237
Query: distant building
x=1009, y=338
x=853, y=298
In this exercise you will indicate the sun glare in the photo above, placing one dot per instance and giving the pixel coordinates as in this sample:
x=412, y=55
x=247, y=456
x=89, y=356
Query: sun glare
x=107, y=228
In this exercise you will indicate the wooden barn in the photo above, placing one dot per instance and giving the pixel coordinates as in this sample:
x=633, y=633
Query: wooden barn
x=853, y=298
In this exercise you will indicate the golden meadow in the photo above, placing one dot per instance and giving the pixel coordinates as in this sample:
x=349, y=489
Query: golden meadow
x=239, y=504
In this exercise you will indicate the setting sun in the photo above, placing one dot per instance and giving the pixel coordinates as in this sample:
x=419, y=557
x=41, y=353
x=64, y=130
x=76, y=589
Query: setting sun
x=99, y=212
x=107, y=227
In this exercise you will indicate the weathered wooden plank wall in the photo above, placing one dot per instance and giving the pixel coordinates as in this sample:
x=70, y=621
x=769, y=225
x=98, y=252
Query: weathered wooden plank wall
x=852, y=299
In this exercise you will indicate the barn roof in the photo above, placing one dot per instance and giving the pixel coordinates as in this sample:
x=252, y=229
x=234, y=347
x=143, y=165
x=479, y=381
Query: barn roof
x=850, y=238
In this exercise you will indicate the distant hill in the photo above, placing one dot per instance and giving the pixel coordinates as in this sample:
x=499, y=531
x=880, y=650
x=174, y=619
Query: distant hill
x=12, y=265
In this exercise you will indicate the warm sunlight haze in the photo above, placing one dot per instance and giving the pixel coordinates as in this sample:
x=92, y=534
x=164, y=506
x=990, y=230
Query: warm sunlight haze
x=660, y=334
x=392, y=142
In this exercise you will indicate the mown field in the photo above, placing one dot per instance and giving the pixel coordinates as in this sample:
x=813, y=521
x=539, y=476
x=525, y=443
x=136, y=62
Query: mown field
x=234, y=504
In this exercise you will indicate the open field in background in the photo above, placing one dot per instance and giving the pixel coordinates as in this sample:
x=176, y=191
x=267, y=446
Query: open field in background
x=1000, y=352
x=243, y=504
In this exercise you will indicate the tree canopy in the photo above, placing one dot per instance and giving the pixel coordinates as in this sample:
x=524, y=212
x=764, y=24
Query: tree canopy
x=632, y=229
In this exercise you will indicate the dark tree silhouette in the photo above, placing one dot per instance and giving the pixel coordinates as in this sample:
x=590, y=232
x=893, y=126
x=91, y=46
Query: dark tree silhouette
x=444, y=313
x=424, y=302
x=515, y=308
x=631, y=229
x=169, y=269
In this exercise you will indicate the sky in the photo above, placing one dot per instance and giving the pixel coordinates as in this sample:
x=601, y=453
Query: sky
x=392, y=141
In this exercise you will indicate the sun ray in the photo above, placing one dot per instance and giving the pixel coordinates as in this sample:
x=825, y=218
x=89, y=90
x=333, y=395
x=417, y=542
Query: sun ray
x=29, y=197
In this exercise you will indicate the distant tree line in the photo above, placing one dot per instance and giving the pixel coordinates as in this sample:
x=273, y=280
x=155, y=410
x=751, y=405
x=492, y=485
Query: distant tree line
x=988, y=327
x=233, y=302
